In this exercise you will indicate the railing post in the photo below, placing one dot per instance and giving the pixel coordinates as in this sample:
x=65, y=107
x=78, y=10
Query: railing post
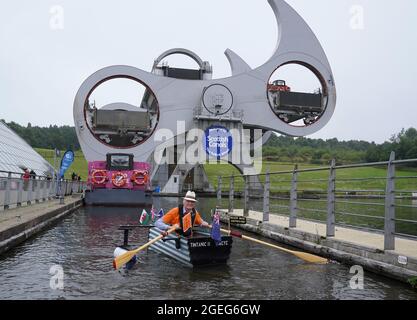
x=44, y=184
x=52, y=189
x=219, y=191
x=36, y=184
x=231, y=193
x=30, y=191
x=267, y=186
x=8, y=188
x=246, y=197
x=63, y=188
x=389, y=226
x=331, y=201
x=19, y=192
x=293, y=200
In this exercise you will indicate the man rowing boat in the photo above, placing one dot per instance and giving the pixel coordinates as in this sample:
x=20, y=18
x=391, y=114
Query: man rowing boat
x=184, y=217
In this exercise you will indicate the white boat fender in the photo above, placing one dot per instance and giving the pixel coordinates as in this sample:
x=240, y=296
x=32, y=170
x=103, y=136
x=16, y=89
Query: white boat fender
x=119, y=251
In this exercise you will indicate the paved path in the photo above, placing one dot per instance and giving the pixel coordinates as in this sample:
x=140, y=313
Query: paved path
x=16, y=216
x=364, y=238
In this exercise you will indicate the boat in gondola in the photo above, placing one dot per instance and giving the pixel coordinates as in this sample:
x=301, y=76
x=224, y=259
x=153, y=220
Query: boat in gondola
x=197, y=250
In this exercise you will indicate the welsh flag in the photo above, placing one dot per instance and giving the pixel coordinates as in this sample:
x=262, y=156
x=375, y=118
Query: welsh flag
x=144, y=218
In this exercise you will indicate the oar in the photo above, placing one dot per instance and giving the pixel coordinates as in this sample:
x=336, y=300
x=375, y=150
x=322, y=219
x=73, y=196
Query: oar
x=127, y=256
x=302, y=255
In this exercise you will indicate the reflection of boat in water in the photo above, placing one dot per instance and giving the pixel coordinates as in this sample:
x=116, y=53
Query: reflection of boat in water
x=198, y=250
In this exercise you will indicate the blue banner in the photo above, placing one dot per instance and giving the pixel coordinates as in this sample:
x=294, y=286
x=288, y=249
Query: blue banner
x=66, y=162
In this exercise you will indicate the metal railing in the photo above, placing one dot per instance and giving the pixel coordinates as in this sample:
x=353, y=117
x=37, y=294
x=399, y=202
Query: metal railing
x=15, y=191
x=380, y=205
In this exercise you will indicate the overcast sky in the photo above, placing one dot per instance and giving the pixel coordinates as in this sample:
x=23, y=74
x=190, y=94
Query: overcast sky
x=47, y=48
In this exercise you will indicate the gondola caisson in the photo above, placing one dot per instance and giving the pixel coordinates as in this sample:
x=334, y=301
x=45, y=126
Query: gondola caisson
x=198, y=250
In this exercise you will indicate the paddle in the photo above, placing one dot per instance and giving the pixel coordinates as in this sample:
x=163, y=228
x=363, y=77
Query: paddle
x=302, y=255
x=127, y=256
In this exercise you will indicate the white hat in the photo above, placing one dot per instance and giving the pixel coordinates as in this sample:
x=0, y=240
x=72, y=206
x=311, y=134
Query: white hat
x=190, y=196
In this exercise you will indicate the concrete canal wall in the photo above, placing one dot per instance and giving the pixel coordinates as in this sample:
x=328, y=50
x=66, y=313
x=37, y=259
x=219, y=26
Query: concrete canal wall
x=349, y=246
x=19, y=224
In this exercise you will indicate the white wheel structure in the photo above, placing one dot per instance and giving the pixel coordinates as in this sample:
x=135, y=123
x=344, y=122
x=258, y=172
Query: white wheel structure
x=177, y=99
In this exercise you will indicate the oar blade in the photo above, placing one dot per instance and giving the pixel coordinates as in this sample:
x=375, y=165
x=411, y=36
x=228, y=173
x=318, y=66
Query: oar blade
x=310, y=257
x=123, y=259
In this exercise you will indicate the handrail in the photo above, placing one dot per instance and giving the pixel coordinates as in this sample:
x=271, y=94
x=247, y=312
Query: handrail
x=347, y=166
x=288, y=190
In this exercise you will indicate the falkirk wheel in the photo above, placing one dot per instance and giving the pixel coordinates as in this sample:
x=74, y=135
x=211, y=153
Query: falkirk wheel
x=179, y=101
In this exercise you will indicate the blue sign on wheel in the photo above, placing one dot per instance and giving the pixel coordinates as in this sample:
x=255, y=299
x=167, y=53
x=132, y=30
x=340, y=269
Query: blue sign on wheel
x=218, y=141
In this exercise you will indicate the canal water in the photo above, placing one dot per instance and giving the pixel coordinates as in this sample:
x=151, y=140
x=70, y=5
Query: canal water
x=83, y=243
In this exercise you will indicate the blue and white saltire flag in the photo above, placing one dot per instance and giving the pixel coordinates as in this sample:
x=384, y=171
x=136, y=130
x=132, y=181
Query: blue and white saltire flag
x=215, y=230
x=160, y=214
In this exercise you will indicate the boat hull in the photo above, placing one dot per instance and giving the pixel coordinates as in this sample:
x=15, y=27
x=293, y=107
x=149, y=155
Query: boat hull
x=200, y=250
x=117, y=197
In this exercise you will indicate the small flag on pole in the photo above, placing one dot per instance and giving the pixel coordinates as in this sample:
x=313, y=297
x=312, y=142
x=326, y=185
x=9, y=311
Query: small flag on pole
x=160, y=213
x=143, y=217
x=153, y=216
x=215, y=230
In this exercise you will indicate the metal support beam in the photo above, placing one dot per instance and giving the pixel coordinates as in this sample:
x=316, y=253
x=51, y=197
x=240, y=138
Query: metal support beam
x=293, y=201
x=331, y=201
x=389, y=227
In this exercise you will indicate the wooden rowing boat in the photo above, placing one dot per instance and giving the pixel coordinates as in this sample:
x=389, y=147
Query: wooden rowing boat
x=198, y=250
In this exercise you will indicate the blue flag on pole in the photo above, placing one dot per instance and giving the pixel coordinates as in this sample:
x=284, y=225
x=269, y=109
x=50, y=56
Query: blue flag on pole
x=160, y=214
x=215, y=230
x=66, y=162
